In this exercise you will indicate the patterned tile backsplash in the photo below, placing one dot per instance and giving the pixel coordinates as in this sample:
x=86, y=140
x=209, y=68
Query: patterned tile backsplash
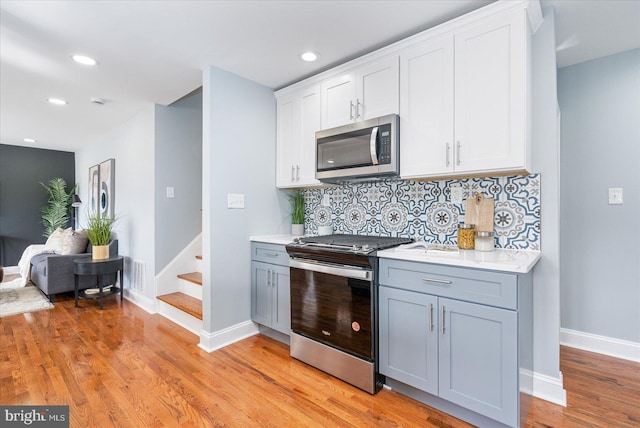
x=424, y=211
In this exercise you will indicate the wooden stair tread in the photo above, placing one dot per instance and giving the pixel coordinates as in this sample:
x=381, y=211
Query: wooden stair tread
x=199, y=257
x=185, y=303
x=195, y=277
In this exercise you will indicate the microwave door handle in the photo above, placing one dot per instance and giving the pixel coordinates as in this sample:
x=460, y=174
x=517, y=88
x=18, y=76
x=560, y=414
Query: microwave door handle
x=372, y=146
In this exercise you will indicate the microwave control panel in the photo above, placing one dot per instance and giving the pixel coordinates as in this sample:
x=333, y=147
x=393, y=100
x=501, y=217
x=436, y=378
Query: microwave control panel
x=384, y=147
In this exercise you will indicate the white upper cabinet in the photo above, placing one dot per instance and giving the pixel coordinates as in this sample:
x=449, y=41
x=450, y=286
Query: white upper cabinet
x=298, y=120
x=465, y=101
x=426, y=109
x=491, y=95
x=363, y=93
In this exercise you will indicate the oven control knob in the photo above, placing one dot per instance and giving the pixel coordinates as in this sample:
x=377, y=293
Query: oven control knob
x=356, y=248
x=366, y=248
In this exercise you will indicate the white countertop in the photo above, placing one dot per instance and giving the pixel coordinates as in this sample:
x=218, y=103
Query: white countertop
x=515, y=261
x=273, y=239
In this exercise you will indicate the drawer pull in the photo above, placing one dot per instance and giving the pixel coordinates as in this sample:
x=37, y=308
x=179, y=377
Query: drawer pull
x=271, y=254
x=437, y=281
x=431, y=317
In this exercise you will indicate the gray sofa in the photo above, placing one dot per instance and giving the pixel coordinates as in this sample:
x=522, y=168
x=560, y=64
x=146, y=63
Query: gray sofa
x=53, y=273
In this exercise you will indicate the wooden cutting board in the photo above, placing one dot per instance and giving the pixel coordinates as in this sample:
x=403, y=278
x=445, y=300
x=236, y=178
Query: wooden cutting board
x=479, y=211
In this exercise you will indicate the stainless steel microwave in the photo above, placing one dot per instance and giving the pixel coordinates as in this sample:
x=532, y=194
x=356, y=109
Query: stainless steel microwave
x=361, y=150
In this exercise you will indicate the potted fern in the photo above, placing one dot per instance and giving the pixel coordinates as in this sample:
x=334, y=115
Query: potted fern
x=297, y=213
x=99, y=234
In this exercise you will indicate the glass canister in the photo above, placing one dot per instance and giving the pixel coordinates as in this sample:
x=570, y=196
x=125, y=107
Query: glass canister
x=484, y=241
x=466, y=236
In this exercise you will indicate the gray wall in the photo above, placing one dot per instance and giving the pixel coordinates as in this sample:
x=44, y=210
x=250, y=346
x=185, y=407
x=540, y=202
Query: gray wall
x=546, y=161
x=600, y=104
x=22, y=169
x=239, y=132
x=178, y=158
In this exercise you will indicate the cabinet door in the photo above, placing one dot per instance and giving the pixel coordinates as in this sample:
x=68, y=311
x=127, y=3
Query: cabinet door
x=309, y=121
x=281, y=302
x=490, y=95
x=298, y=121
x=261, y=292
x=409, y=338
x=478, y=358
x=286, y=148
x=377, y=89
x=426, y=110
x=338, y=101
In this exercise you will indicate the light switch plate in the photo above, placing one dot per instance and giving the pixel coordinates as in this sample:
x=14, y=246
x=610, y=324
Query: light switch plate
x=615, y=195
x=235, y=201
x=170, y=192
x=326, y=201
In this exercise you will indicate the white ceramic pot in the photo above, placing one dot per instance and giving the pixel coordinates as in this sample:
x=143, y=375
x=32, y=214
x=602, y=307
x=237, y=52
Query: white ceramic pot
x=297, y=229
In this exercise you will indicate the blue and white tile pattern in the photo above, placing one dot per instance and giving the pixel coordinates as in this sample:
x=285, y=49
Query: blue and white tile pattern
x=424, y=211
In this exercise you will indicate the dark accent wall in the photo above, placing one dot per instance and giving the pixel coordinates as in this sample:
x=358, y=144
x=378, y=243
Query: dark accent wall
x=22, y=169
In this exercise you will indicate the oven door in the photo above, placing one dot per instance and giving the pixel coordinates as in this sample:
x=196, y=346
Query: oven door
x=333, y=305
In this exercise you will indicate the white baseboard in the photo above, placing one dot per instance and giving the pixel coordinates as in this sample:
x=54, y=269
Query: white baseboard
x=11, y=270
x=219, y=339
x=548, y=388
x=601, y=344
x=140, y=300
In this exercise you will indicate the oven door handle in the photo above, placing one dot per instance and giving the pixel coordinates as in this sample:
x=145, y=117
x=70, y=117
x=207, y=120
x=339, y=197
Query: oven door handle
x=346, y=272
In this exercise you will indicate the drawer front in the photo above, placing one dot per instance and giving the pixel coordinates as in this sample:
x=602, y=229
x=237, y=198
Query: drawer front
x=269, y=253
x=471, y=285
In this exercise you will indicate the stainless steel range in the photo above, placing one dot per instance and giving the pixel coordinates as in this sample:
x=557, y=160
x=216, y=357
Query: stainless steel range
x=334, y=298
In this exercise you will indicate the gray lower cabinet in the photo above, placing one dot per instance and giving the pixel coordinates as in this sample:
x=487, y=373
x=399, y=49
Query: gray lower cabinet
x=457, y=350
x=270, y=301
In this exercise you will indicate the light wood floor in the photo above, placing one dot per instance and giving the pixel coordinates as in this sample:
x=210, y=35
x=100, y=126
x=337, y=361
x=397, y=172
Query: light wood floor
x=124, y=367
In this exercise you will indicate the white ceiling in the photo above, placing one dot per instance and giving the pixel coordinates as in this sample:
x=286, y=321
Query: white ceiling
x=154, y=51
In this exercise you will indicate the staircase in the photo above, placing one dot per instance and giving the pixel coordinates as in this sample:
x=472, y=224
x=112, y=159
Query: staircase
x=190, y=299
x=179, y=295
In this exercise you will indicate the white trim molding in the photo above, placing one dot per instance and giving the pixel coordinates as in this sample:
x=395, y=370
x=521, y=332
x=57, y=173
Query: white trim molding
x=546, y=387
x=610, y=346
x=140, y=300
x=221, y=338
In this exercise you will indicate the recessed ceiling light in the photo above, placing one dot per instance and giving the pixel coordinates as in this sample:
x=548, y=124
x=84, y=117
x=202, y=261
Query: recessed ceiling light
x=85, y=60
x=57, y=101
x=30, y=140
x=309, y=56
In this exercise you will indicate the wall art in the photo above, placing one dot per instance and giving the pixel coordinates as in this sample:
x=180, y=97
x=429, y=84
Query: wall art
x=102, y=189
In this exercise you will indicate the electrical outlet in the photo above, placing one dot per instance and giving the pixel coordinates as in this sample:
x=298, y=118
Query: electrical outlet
x=170, y=192
x=326, y=201
x=615, y=196
x=456, y=194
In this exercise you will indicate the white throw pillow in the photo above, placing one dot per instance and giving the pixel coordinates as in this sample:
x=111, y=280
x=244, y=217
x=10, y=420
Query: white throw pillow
x=55, y=242
x=74, y=242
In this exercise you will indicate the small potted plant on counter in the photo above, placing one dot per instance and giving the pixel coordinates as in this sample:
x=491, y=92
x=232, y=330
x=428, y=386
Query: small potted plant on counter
x=99, y=234
x=297, y=213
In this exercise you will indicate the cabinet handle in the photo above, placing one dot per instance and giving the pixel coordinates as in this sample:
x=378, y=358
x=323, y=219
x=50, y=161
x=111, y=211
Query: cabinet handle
x=268, y=274
x=271, y=254
x=297, y=172
x=431, y=317
x=292, y=172
x=357, y=108
x=448, y=150
x=437, y=281
x=443, y=319
x=458, y=153
x=351, y=110
x=273, y=278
